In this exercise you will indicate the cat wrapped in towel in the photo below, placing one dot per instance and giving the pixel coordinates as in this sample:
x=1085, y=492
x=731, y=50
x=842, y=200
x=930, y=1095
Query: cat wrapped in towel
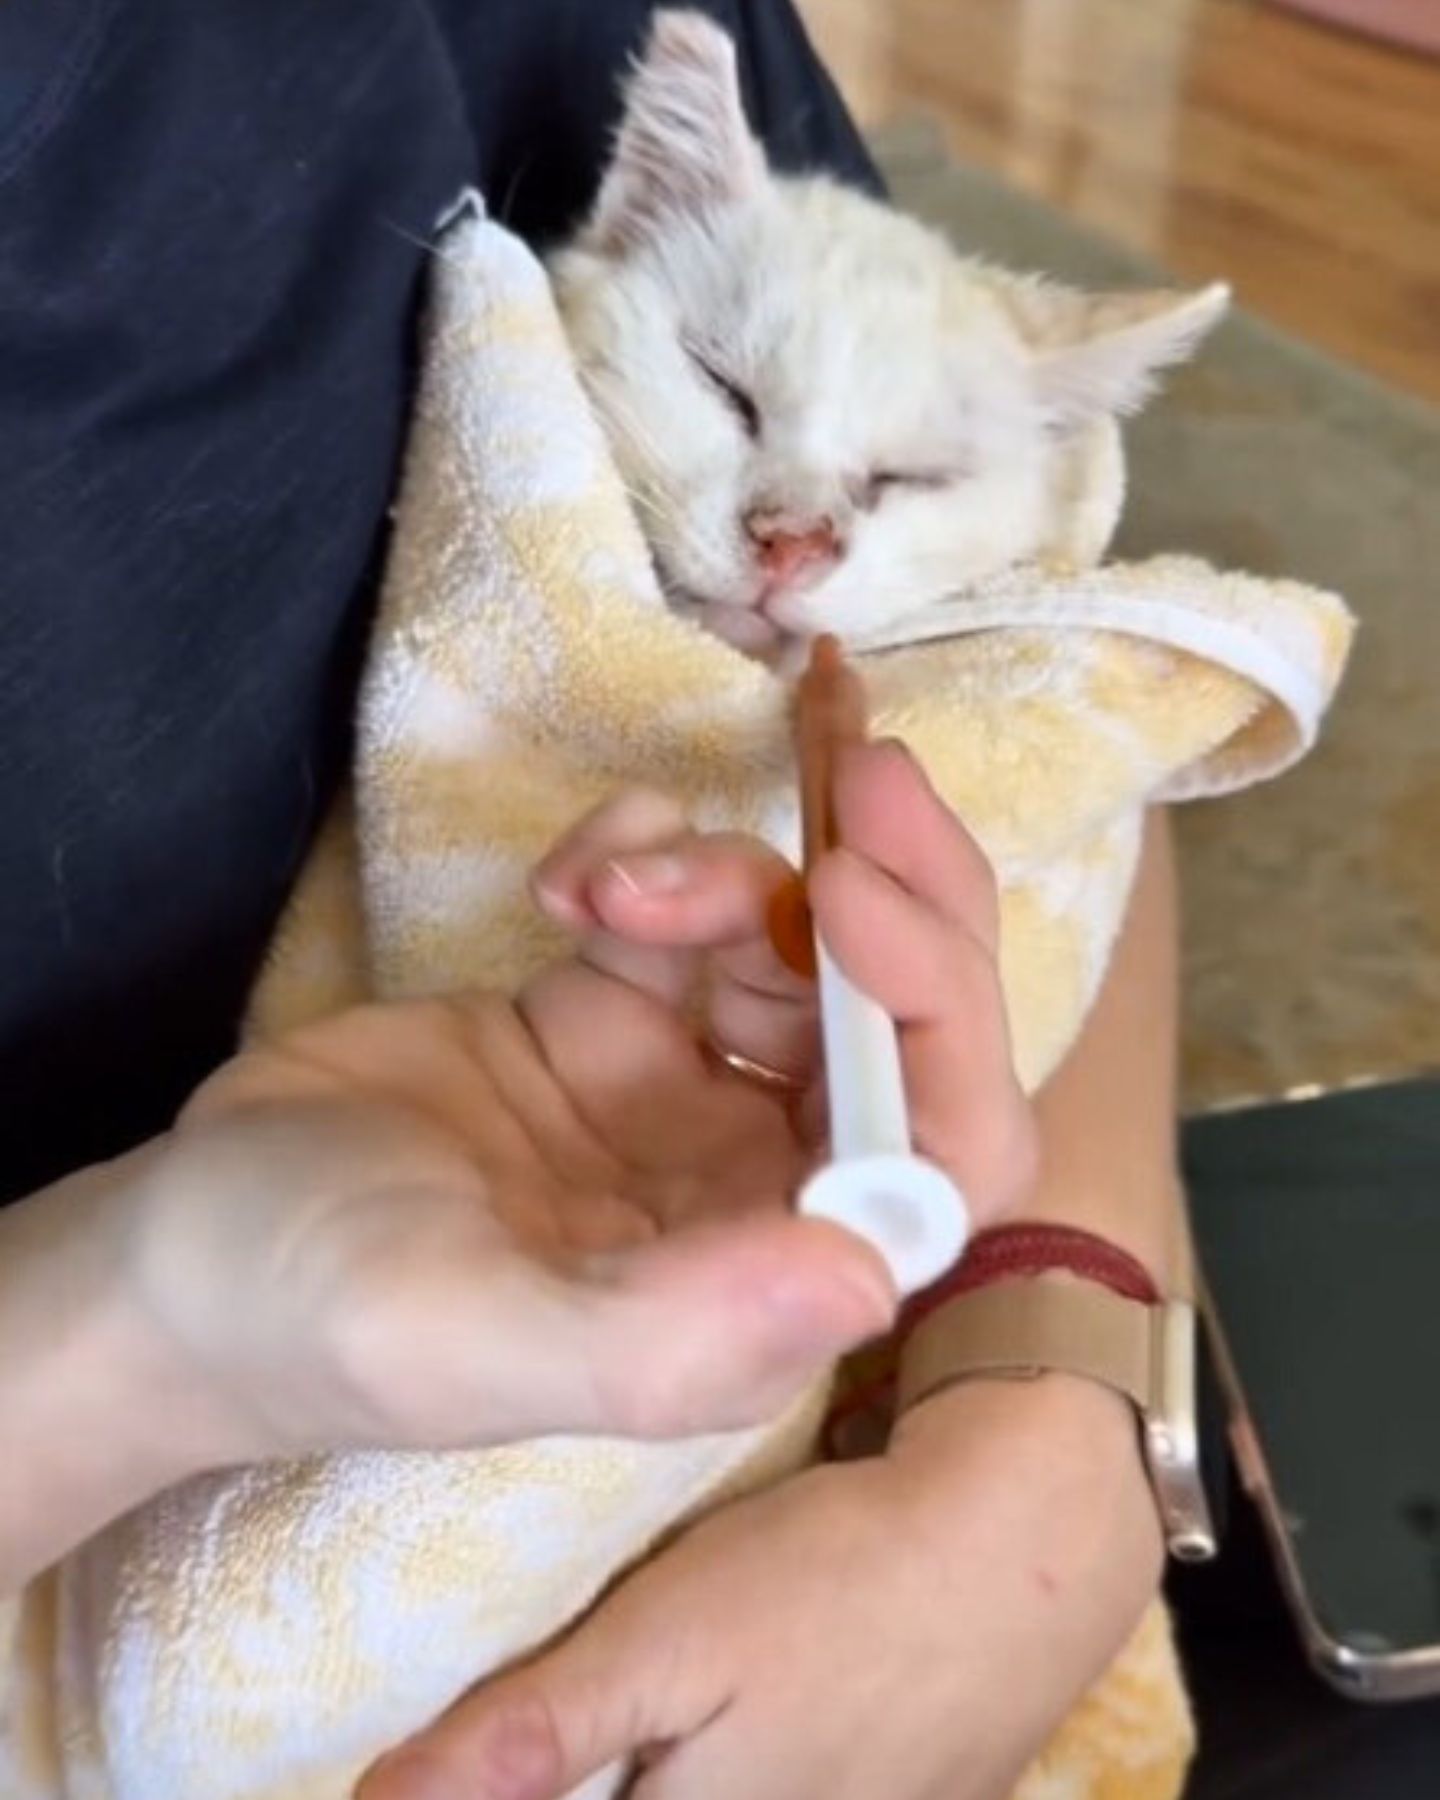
x=738, y=410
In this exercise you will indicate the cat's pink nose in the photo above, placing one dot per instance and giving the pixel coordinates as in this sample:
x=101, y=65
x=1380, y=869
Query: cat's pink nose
x=787, y=552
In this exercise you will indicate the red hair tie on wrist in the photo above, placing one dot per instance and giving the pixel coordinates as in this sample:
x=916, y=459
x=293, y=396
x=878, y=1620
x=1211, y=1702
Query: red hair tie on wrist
x=1003, y=1253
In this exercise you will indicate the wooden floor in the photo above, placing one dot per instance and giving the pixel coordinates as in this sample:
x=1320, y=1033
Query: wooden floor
x=1224, y=137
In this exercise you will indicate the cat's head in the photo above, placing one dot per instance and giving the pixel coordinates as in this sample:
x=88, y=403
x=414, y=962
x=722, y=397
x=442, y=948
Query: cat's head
x=826, y=418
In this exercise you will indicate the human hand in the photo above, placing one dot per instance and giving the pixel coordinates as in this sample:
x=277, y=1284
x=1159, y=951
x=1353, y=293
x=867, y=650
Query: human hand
x=914, y=1627
x=465, y=1220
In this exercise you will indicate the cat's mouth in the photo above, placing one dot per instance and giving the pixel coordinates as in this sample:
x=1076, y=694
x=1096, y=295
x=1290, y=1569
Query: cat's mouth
x=746, y=628
x=743, y=627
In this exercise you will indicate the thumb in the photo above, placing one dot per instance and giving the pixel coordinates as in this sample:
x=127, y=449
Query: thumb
x=607, y=1692
x=714, y=1326
x=718, y=1326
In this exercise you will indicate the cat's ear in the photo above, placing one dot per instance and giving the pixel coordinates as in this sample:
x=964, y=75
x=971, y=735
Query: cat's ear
x=1104, y=353
x=683, y=145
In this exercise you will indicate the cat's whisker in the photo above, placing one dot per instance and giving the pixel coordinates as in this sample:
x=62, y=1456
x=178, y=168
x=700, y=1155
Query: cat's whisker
x=438, y=251
x=643, y=502
x=624, y=422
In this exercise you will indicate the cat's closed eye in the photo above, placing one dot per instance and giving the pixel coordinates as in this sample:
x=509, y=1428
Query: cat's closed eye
x=886, y=481
x=740, y=402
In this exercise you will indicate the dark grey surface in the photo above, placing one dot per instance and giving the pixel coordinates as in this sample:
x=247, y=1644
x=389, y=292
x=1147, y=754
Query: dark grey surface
x=1270, y=1730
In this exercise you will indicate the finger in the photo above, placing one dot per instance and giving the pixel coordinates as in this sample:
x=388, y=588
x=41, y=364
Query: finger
x=655, y=906
x=636, y=820
x=581, y=870
x=714, y=893
x=912, y=913
x=731, y=1755
x=631, y=1675
x=714, y=1327
x=888, y=812
x=643, y=1085
x=940, y=982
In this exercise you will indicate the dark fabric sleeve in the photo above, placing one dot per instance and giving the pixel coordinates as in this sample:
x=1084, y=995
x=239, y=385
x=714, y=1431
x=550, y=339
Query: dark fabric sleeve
x=542, y=84
x=213, y=226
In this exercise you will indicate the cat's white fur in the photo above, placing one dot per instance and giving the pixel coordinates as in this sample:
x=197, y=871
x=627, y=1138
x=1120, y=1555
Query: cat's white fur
x=869, y=348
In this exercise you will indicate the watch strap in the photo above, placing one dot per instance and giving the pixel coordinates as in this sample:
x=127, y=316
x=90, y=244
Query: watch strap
x=1030, y=1324
x=1052, y=1300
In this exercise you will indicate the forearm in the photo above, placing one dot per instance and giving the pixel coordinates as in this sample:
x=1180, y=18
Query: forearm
x=1107, y=1129
x=91, y=1422
x=1107, y=1116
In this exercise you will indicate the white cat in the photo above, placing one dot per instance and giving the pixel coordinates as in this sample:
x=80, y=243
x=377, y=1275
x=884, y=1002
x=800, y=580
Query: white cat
x=827, y=418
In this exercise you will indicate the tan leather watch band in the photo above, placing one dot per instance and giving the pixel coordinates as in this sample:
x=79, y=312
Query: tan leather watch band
x=1033, y=1298
x=1027, y=1326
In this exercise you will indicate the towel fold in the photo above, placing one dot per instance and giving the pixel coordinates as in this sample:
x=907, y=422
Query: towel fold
x=261, y=1635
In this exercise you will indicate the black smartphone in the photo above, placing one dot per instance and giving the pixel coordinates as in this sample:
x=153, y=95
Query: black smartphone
x=1317, y=1232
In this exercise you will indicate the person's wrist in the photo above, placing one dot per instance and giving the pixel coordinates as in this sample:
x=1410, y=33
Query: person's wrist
x=100, y=1404
x=1083, y=1418
x=167, y=1284
x=1059, y=1453
x=1075, y=1421
x=1029, y=1498
x=177, y=1426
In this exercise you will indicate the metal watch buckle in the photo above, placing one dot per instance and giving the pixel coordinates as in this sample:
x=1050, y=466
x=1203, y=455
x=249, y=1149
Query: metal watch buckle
x=1171, y=1436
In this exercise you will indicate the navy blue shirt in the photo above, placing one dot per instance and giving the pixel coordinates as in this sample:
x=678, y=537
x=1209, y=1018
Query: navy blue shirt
x=212, y=222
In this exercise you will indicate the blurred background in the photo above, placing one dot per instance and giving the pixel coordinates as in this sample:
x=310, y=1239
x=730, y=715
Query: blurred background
x=1218, y=136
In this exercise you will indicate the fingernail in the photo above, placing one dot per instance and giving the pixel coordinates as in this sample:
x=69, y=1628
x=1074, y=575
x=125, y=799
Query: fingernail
x=649, y=875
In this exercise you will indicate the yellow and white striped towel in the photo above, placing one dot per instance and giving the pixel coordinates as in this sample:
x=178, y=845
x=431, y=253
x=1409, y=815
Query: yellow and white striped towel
x=260, y=1635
